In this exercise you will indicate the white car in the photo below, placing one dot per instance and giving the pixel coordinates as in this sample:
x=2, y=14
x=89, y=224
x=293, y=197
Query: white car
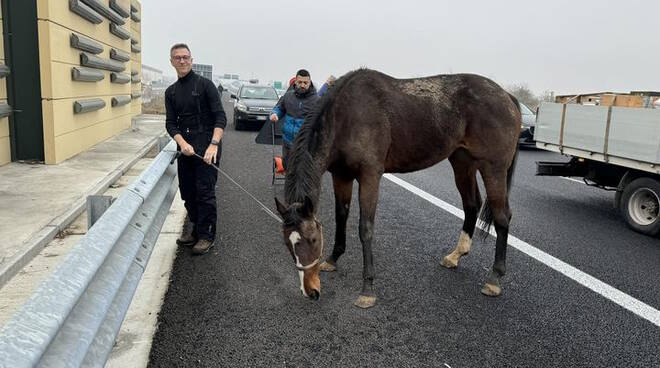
x=527, y=126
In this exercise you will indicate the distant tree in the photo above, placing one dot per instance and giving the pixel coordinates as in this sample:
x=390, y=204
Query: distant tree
x=525, y=95
x=546, y=96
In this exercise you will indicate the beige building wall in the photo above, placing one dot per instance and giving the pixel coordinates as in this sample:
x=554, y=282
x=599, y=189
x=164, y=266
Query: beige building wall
x=68, y=132
x=5, y=147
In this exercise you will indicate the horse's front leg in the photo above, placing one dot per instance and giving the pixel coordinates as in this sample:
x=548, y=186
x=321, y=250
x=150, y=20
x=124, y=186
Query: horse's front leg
x=368, y=193
x=343, y=191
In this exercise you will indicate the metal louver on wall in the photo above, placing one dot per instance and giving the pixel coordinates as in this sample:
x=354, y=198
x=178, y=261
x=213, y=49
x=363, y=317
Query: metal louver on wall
x=119, y=78
x=135, y=95
x=82, y=74
x=119, y=55
x=119, y=31
x=135, y=48
x=86, y=44
x=114, y=5
x=94, y=61
x=5, y=109
x=4, y=70
x=135, y=17
x=85, y=11
x=135, y=79
x=120, y=100
x=104, y=11
x=92, y=104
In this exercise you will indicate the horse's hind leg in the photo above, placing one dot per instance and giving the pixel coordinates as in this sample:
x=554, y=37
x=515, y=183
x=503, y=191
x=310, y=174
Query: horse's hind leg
x=495, y=182
x=343, y=190
x=368, y=196
x=465, y=175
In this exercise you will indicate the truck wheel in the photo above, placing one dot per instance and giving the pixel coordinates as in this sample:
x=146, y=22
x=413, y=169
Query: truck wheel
x=640, y=203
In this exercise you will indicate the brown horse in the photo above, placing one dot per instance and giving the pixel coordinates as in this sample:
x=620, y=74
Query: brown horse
x=370, y=124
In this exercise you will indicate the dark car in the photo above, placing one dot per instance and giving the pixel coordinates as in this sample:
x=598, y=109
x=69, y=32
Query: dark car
x=527, y=127
x=253, y=105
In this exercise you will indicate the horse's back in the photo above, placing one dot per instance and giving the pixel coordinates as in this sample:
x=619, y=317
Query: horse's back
x=411, y=124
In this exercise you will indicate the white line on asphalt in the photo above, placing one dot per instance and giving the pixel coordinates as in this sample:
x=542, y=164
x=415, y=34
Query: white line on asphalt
x=622, y=299
x=571, y=179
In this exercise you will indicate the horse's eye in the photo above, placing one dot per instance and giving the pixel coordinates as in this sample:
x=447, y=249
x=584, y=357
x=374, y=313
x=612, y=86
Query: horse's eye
x=313, y=240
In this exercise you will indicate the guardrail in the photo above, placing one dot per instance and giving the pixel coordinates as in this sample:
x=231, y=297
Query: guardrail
x=73, y=317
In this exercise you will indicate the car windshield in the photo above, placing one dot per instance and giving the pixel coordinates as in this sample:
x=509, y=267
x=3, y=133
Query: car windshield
x=259, y=93
x=525, y=110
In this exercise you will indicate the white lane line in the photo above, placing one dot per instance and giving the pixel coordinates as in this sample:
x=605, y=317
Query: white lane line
x=615, y=295
x=571, y=179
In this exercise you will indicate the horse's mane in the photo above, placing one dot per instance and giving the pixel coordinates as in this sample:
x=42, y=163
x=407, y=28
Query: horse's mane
x=304, y=172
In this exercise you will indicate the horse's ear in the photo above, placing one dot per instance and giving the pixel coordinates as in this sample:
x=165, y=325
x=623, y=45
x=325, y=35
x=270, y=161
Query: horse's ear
x=307, y=209
x=281, y=207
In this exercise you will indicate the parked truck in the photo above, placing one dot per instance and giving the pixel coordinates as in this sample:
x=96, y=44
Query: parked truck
x=612, y=147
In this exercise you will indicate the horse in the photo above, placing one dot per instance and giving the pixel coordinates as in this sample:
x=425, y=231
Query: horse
x=370, y=124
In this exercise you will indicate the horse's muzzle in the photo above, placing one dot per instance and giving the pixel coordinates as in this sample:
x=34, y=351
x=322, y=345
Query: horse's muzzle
x=314, y=295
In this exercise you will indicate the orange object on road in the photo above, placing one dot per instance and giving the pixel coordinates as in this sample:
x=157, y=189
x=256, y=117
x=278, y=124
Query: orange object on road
x=279, y=165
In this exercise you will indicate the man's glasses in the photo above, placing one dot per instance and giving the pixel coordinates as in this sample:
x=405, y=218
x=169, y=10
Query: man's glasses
x=181, y=58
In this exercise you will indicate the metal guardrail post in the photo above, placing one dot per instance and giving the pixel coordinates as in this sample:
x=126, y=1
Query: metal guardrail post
x=96, y=207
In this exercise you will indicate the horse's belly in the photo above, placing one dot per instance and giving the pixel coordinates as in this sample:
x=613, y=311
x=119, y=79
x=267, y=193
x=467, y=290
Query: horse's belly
x=407, y=162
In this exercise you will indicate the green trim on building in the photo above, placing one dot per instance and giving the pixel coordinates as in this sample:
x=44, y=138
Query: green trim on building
x=21, y=40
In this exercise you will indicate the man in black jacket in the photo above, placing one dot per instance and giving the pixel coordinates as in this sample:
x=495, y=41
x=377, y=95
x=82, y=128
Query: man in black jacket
x=196, y=121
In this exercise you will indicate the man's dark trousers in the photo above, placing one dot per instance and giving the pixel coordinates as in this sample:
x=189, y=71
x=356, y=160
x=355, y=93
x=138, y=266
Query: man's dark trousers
x=197, y=182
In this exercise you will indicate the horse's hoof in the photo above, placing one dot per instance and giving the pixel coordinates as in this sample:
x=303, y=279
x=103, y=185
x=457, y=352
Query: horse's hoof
x=491, y=290
x=328, y=267
x=448, y=262
x=365, y=302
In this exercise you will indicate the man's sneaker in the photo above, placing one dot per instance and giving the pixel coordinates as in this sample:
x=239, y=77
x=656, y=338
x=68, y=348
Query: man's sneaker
x=187, y=237
x=202, y=246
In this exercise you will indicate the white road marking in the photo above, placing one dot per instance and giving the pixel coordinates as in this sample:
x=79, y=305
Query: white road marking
x=618, y=297
x=571, y=179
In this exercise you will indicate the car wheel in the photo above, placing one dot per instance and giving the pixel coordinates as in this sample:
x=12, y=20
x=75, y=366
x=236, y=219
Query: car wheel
x=640, y=203
x=237, y=123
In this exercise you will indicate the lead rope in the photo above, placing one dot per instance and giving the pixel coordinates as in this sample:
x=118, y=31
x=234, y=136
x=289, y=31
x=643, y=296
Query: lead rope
x=263, y=206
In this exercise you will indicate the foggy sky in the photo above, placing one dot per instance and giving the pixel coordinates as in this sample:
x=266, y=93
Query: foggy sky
x=561, y=46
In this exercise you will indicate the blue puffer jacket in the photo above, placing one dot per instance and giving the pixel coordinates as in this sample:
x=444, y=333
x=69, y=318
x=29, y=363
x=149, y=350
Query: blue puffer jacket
x=293, y=107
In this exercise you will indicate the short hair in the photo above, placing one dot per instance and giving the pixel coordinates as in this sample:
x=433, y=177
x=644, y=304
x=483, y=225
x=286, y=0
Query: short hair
x=302, y=73
x=179, y=46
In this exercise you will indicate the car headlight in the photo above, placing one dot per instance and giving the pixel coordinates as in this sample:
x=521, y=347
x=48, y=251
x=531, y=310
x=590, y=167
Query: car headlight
x=241, y=107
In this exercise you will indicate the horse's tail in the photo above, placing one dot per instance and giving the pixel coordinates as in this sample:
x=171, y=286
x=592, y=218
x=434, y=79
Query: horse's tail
x=486, y=215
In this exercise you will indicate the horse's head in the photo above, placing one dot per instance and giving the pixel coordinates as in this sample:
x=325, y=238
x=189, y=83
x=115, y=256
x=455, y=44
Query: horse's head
x=303, y=237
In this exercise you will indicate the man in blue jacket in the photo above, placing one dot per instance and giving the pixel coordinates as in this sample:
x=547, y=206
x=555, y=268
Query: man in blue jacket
x=293, y=106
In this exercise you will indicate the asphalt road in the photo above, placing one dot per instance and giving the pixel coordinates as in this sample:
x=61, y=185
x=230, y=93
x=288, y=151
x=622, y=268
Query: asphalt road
x=240, y=305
